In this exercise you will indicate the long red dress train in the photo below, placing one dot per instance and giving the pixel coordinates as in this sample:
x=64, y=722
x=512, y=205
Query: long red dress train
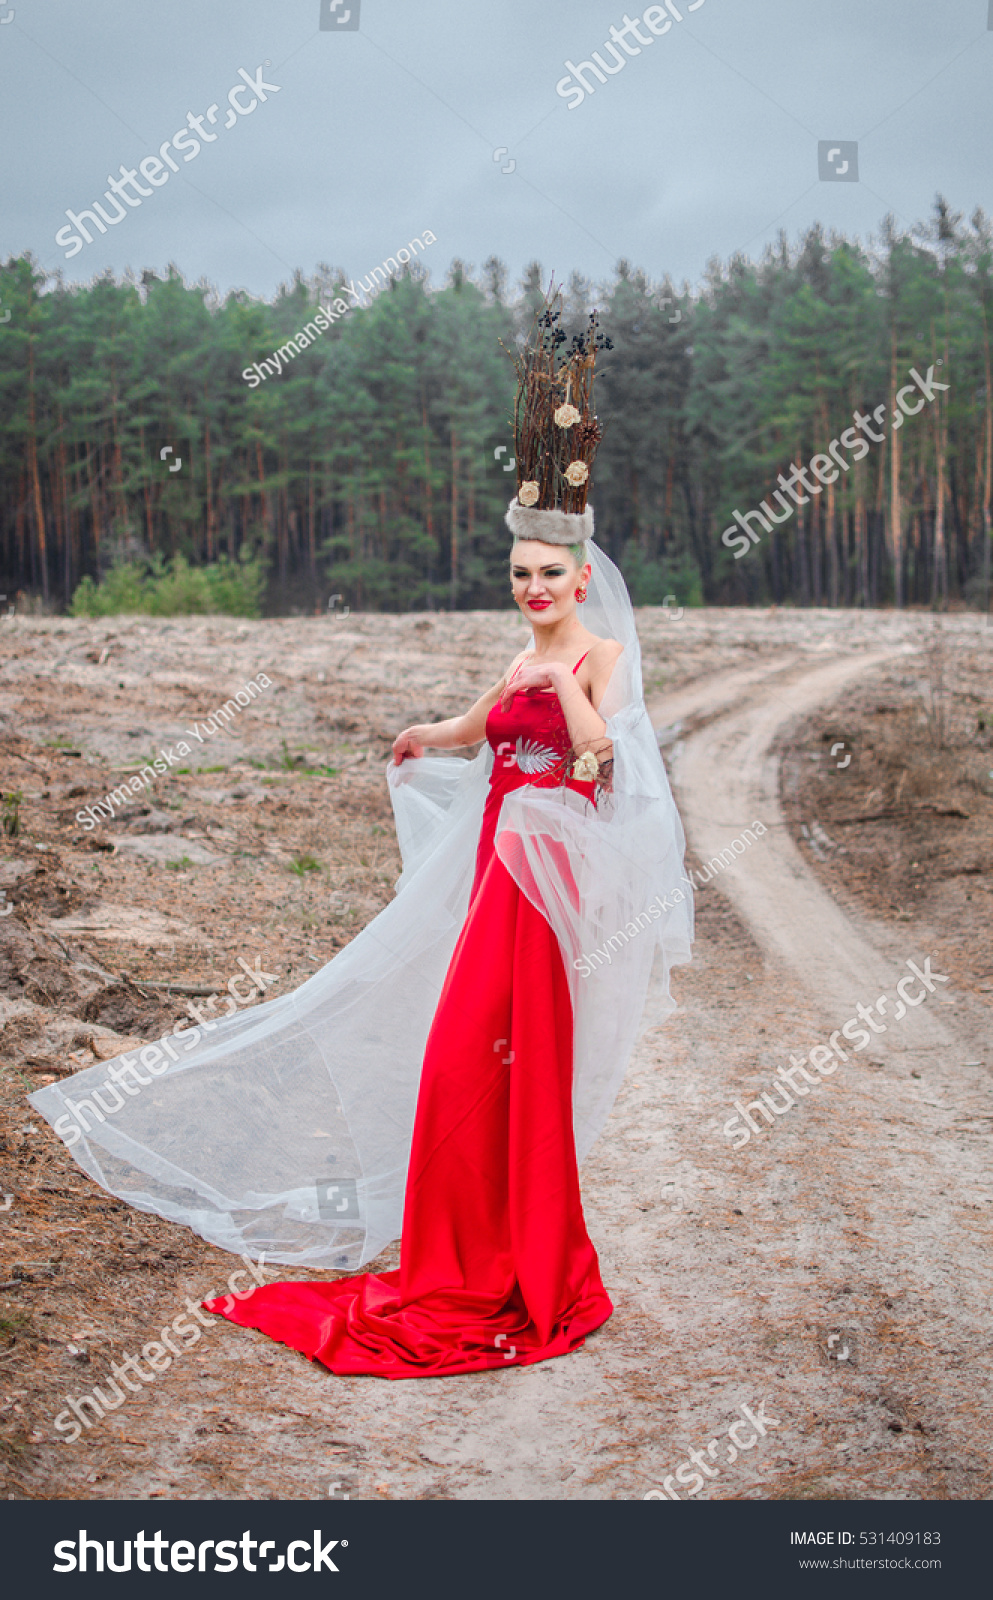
x=496, y=1266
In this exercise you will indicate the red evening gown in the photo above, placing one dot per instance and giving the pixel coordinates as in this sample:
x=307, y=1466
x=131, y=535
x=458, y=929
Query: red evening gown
x=496, y=1266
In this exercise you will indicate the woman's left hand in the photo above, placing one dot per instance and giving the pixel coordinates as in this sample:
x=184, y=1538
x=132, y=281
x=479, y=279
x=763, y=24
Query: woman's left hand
x=531, y=676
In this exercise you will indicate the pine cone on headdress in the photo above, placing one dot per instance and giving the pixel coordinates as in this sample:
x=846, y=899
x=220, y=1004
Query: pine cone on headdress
x=586, y=437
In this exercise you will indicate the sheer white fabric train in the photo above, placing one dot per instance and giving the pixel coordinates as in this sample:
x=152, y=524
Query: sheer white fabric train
x=286, y=1128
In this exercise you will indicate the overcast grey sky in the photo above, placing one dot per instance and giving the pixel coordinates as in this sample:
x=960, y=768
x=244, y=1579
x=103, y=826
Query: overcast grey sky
x=704, y=142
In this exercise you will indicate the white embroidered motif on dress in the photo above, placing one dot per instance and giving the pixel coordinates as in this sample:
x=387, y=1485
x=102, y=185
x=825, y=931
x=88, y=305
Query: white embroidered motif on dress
x=535, y=759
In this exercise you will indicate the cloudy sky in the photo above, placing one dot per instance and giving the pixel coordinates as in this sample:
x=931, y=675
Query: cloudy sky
x=398, y=116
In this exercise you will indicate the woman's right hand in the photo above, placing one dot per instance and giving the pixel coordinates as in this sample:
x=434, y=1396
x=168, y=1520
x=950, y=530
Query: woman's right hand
x=407, y=743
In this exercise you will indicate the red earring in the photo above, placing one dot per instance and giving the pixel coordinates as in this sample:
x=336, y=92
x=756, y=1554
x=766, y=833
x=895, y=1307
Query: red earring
x=580, y=595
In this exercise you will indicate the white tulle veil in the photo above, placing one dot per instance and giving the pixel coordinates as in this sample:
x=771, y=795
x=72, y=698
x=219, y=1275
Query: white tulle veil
x=285, y=1129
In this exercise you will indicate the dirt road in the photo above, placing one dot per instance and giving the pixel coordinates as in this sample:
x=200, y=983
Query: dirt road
x=831, y=1275
x=880, y=1176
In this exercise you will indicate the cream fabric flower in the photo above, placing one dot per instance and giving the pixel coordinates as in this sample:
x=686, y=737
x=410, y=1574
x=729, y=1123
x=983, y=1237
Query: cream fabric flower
x=586, y=767
x=566, y=416
x=527, y=494
x=576, y=473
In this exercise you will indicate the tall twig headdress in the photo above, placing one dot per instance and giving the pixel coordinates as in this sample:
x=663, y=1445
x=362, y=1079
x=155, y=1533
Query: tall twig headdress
x=556, y=431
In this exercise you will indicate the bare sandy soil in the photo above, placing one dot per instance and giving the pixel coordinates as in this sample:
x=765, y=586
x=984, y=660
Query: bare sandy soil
x=835, y=1268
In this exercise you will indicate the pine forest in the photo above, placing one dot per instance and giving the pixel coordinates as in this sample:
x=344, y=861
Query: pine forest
x=376, y=463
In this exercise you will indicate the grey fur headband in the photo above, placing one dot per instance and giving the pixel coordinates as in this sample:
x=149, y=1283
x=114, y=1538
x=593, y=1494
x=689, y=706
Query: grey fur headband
x=550, y=527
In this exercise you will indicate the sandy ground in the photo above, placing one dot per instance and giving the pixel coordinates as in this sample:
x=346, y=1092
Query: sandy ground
x=835, y=1268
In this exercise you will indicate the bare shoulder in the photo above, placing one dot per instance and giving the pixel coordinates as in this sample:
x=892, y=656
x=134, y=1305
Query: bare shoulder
x=603, y=655
x=596, y=670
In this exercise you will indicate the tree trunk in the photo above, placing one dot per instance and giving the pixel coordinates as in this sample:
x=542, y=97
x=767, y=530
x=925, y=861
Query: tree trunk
x=311, y=533
x=454, y=567
x=207, y=489
x=988, y=479
x=95, y=510
x=266, y=530
x=896, y=510
x=861, y=543
x=39, y=510
x=832, y=540
x=122, y=499
x=148, y=498
x=66, y=511
x=939, y=566
x=803, y=572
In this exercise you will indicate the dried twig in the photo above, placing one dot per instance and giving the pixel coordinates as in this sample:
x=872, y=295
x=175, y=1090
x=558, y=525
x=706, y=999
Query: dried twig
x=20, y=756
x=544, y=449
x=171, y=988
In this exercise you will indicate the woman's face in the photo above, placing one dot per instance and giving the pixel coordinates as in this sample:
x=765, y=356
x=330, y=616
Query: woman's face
x=545, y=578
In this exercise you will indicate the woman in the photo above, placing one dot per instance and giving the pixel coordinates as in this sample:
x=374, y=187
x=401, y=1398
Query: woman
x=451, y=1061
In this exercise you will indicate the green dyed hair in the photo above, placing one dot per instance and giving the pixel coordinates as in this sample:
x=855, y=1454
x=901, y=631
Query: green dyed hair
x=577, y=551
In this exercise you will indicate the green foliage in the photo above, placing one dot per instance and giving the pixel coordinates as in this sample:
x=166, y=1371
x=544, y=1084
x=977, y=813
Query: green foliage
x=173, y=588
x=298, y=764
x=303, y=864
x=10, y=813
x=651, y=582
x=367, y=468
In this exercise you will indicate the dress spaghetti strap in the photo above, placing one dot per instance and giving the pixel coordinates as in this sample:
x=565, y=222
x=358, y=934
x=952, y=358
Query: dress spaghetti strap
x=580, y=662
